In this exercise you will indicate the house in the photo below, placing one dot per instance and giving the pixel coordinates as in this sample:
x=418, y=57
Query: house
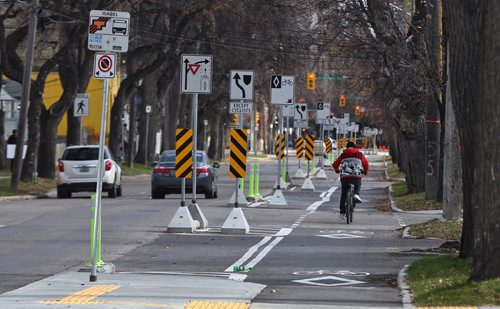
x=10, y=100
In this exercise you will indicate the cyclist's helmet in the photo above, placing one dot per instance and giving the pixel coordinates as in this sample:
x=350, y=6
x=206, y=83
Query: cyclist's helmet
x=350, y=145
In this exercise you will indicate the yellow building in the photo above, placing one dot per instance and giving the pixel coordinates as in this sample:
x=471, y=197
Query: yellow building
x=53, y=91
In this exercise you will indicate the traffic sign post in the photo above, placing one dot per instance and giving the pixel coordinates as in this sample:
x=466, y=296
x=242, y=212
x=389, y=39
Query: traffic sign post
x=301, y=116
x=104, y=65
x=108, y=32
x=282, y=89
x=196, y=74
x=241, y=85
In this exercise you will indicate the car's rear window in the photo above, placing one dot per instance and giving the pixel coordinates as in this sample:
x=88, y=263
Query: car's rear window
x=170, y=157
x=83, y=154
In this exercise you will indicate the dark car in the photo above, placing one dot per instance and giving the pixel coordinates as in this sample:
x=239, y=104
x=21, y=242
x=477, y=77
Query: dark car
x=163, y=180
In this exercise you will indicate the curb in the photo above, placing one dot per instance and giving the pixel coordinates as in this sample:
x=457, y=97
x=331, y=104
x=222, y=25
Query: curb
x=405, y=288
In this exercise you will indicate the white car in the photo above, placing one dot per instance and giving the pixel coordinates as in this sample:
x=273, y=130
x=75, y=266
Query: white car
x=77, y=172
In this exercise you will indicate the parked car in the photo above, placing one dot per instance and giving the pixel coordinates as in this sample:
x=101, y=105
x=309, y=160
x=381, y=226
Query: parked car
x=77, y=172
x=163, y=180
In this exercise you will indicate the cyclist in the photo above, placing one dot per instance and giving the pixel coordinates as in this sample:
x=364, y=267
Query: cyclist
x=351, y=164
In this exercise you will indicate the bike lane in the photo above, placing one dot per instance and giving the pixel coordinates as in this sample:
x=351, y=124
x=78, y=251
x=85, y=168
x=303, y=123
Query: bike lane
x=324, y=261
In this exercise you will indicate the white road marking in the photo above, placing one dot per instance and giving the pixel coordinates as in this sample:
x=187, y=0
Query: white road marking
x=342, y=281
x=249, y=253
x=341, y=236
x=264, y=252
x=284, y=232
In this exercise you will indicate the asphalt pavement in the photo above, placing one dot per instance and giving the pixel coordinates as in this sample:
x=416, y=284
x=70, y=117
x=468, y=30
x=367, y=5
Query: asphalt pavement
x=297, y=256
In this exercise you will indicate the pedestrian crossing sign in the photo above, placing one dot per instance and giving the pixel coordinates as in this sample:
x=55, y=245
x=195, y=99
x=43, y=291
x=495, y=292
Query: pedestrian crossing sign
x=81, y=105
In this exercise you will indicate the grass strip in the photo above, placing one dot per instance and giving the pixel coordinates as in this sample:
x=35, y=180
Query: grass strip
x=448, y=230
x=393, y=171
x=40, y=186
x=412, y=201
x=138, y=169
x=444, y=281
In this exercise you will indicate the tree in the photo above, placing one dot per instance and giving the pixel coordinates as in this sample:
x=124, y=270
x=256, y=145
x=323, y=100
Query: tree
x=472, y=33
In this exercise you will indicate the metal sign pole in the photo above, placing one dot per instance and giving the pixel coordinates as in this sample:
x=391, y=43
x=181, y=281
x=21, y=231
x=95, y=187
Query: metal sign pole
x=280, y=132
x=321, y=145
x=81, y=130
x=146, y=140
x=195, y=141
x=286, y=146
x=97, y=212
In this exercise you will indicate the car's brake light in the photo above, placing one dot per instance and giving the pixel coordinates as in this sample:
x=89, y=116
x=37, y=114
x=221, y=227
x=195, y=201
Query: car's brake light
x=108, y=165
x=60, y=167
x=202, y=170
x=161, y=170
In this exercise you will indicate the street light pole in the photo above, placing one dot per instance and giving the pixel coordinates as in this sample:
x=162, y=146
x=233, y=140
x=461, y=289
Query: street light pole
x=205, y=144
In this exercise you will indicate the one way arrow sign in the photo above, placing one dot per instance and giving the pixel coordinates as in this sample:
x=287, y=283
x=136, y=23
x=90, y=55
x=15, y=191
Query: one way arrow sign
x=241, y=85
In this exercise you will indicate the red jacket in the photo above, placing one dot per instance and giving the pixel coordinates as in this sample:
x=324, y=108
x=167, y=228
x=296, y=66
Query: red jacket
x=351, y=153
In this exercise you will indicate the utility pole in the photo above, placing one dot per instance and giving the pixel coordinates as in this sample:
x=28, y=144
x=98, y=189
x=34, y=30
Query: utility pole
x=25, y=103
x=432, y=122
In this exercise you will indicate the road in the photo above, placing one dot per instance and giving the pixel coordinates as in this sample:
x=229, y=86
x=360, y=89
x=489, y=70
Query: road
x=302, y=253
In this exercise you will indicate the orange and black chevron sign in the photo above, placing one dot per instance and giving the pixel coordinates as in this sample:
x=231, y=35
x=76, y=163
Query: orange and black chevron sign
x=309, y=147
x=299, y=147
x=238, y=156
x=279, y=148
x=328, y=144
x=184, y=153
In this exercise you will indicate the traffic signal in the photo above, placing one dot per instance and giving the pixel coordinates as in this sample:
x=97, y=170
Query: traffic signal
x=311, y=81
x=236, y=119
x=357, y=110
x=257, y=118
x=342, y=100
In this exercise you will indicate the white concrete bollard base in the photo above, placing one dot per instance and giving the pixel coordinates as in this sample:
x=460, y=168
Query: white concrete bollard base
x=236, y=223
x=242, y=200
x=283, y=184
x=182, y=222
x=197, y=214
x=299, y=174
x=278, y=199
x=307, y=185
x=321, y=174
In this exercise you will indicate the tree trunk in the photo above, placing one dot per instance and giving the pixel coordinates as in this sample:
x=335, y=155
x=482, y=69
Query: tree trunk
x=3, y=145
x=486, y=203
x=413, y=156
x=473, y=30
x=452, y=169
x=36, y=101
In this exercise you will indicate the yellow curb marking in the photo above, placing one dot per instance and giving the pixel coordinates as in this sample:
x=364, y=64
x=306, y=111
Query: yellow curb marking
x=86, y=296
x=215, y=305
x=450, y=307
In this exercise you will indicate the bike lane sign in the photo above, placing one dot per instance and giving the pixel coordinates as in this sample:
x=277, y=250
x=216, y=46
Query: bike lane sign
x=282, y=89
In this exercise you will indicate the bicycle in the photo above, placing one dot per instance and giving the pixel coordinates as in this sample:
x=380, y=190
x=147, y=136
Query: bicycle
x=349, y=204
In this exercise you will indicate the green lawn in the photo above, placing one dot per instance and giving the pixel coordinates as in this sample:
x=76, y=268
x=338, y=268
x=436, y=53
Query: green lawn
x=412, y=201
x=40, y=186
x=138, y=169
x=393, y=171
x=448, y=230
x=444, y=281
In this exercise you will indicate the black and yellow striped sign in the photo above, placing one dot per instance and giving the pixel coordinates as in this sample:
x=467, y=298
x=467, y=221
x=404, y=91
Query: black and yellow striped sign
x=238, y=156
x=184, y=153
x=342, y=143
x=279, y=148
x=328, y=144
x=299, y=147
x=309, y=147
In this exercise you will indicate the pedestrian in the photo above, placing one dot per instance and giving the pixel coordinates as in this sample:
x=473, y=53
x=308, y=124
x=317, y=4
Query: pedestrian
x=12, y=140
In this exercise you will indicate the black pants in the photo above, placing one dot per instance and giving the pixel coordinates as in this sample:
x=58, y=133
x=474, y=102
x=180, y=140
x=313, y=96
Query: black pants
x=345, y=188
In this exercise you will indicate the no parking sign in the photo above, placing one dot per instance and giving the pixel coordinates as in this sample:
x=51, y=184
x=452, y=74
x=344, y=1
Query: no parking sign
x=104, y=65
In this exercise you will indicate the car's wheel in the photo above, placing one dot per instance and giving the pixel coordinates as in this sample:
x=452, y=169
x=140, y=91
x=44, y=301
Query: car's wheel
x=156, y=195
x=63, y=193
x=119, y=189
x=212, y=193
x=112, y=191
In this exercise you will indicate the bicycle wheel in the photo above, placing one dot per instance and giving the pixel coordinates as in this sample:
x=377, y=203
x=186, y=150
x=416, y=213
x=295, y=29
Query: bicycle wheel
x=348, y=207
